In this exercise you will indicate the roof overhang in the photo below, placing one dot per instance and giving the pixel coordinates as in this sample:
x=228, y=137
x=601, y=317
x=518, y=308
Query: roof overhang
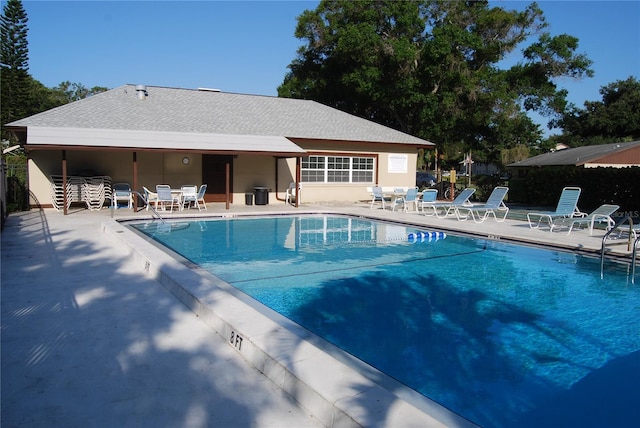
x=53, y=138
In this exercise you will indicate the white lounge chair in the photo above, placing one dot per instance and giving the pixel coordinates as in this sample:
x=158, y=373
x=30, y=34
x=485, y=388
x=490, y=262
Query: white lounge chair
x=447, y=207
x=567, y=208
x=601, y=214
x=479, y=213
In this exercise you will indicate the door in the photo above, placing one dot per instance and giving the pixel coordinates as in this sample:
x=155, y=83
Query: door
x=214, y=175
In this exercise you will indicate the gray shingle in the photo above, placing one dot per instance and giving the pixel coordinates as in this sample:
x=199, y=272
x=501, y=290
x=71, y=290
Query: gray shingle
x=575, y=156
x=187, y=110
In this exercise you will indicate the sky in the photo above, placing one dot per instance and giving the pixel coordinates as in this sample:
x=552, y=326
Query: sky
x=246, y=46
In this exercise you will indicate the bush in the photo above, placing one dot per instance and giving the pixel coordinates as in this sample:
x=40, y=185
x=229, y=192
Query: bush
x=542, y=187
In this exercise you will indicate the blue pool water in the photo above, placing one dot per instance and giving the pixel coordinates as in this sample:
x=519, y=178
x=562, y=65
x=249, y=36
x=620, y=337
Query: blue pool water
x=504, y=335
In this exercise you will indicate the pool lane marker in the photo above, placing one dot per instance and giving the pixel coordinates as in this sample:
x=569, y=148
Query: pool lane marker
x=426, y=236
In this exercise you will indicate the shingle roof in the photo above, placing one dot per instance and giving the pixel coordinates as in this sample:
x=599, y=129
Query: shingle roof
x=575, y=156
x=198, y=111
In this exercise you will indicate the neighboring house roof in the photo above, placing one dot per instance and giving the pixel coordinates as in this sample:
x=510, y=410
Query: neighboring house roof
x=603, y=153
x=196, y=114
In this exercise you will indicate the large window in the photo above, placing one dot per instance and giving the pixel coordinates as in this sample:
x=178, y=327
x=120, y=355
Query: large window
x=337, y=169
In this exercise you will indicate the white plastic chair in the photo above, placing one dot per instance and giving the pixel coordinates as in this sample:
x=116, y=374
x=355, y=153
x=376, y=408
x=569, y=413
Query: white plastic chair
x=200, y=197
x=151, y=197
x=121, y=192
x=291, y=194
x=189, y=196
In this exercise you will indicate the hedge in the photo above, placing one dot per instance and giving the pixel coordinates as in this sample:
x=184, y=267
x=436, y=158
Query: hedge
x=542, y=187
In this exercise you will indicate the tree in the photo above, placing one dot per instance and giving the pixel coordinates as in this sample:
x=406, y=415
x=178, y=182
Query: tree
x=14, y=67
x=67, y=92
x=431, y=69
x=615, y=118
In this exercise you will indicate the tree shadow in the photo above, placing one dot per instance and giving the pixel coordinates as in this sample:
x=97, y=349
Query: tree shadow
x=88, y=341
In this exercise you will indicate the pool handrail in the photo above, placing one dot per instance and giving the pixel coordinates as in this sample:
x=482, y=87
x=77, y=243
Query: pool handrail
x=135, y=192
x=632, y=232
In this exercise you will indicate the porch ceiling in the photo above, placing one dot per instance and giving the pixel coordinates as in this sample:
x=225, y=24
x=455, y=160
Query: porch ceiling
x=48, y=138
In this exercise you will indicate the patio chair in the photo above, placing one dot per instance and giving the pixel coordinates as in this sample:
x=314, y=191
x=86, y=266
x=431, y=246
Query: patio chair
x=429, y=196
x=567, y=208
x=151, y=197
x=410, y=197
x=377, y=196
x=494, y=204
x=189, y=195
x=200, y=197
x=121, y=192
x=601, y=214
x=447, y=207
x=165, y=196
x=292, y=193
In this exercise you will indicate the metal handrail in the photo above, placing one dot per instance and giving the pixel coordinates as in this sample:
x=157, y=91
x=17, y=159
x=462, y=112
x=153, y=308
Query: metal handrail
x=146, y=203
x=633, y=260
x=628, y=219
x=150, y=206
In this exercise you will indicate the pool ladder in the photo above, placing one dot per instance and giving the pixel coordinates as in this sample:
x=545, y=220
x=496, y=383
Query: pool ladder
x=632, y=231
x=135, y=192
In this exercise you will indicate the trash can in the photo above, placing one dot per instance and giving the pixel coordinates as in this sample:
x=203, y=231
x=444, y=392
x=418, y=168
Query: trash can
x=248, y=198
x=262, y=195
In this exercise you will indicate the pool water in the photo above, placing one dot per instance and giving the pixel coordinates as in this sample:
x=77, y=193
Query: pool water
x=504, y=335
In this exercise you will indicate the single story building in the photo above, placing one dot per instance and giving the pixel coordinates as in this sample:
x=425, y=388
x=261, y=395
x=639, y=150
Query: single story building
x=232, y=142
x=616, y=155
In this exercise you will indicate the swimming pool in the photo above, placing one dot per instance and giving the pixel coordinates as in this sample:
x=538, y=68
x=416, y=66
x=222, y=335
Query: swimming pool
x=504, y=335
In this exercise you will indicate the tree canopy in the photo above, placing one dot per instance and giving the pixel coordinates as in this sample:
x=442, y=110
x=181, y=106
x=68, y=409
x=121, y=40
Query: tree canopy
x=14, y=62
x=615, y=118
x=22, y=95
x=433, y=69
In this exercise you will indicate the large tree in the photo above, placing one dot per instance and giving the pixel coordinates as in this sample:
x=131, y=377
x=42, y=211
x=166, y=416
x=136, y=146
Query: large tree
x=615, y=118
x=433, y=69
x=14, y=63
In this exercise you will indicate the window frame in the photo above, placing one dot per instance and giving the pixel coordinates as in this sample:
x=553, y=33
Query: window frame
x=331, y=166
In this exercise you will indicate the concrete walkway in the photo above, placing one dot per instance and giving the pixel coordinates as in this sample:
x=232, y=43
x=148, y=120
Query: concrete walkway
x=87, y=341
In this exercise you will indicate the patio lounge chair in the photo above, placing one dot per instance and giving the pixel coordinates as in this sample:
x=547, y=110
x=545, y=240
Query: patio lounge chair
x=429, y=196
x=377, y=196
x=494, y=204
x=447, y=207
x=567, y=208
x=121, y=192
x=601, y=214
x=165, y=196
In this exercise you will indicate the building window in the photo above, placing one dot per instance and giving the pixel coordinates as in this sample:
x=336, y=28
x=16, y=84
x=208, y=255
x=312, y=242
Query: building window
x=337, y=169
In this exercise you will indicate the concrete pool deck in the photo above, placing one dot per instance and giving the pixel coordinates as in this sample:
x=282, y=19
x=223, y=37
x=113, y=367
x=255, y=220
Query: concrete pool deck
x=88, y=337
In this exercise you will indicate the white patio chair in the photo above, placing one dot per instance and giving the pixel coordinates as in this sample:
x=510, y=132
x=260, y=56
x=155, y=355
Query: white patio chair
x=189, y=196
x=165, y=196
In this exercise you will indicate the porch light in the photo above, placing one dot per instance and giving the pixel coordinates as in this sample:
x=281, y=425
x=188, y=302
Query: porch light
x=185, y=160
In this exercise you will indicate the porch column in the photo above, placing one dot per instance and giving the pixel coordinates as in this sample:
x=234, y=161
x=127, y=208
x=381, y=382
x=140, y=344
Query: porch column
x=64, y=181
x=135, y=182
x=227, y=173
x=298, y=190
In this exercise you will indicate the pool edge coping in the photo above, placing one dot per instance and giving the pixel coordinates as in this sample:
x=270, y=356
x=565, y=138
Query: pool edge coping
x=324, y=395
